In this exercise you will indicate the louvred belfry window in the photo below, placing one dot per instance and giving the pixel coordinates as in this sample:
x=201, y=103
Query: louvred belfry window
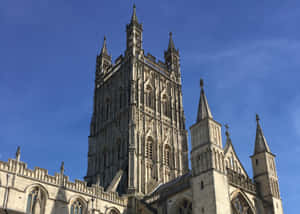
x=149, y=149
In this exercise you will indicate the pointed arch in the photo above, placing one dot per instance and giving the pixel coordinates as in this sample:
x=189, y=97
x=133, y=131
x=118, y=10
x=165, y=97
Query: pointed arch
x=149, y=95
x=77, y=205
x=241, y=204
x=37, y=196
x=112, y=210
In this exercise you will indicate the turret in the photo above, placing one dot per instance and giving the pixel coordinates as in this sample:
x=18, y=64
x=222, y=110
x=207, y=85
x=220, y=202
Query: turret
x=265, y=174
x=209, y=180
x=134, y=36
x=172, y=59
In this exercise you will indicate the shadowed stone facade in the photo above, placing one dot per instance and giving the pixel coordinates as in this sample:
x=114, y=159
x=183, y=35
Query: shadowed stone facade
x=138, y=151
x=138, y=135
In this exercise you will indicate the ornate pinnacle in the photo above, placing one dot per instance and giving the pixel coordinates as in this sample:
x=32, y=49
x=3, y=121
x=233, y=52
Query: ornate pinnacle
x=18, y=153
x=62, y=168
x=227, y=128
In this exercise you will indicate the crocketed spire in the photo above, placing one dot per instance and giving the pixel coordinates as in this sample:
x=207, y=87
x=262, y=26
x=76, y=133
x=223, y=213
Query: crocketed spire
x=261, y=144
x=203, y=109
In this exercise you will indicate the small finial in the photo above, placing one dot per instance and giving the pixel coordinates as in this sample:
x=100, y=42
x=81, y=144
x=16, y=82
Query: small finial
x=257, y=118
x=62, y=168
x=170, y=34
x=134, y=6
x=201, y=83
x=18, y=153
x=227, y=128
x=104, y=38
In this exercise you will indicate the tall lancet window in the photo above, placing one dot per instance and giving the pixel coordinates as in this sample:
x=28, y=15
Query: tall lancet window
x=150, y=101
x=36, y=201
x=166, y=107
x=77, y=207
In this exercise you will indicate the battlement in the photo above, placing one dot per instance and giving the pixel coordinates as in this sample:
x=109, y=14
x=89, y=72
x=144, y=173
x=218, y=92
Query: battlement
x=41, y=175
x=240, y=181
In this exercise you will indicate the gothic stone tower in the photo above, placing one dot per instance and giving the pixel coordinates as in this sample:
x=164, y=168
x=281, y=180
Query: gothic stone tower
x=209, y=179
x=137, y=136
x=265, y=173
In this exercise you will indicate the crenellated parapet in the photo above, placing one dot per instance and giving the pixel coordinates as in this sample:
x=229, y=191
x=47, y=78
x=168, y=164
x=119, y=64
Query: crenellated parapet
x=41, y=175
x=241, y=181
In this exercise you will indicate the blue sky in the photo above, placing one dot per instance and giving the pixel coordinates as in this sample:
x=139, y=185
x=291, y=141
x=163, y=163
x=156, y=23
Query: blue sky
x=247, y=52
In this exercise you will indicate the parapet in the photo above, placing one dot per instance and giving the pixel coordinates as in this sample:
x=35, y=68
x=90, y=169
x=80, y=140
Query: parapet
x=41, y=175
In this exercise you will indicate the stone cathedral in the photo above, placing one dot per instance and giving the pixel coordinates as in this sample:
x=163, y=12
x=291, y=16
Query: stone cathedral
x=138, y=151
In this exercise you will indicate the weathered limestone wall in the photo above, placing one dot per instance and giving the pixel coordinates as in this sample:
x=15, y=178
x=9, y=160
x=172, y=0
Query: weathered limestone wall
x=59, y=192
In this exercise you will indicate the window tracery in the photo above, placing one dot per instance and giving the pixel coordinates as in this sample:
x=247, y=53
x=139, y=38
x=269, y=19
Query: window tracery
x=240, y=205
x=36, y=201
x=77, y=207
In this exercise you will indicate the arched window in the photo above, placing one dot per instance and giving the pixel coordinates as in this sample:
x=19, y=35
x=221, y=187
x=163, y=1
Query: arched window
x=77, y=207
x=113, y=212
x=240, y=205
x=185, y=207
x=36, y=201
x=166, y=106
x=149, y=97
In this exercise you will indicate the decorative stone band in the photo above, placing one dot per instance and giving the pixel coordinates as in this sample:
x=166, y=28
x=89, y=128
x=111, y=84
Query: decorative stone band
x=241, y=181
x=41, y=175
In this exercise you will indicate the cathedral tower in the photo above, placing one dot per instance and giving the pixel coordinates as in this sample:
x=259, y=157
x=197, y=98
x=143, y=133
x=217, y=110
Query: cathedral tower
x=265, y=174
x=209, y=180
x=138, y=138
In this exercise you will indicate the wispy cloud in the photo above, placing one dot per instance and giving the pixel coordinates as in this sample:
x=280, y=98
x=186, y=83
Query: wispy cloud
x=254, y=60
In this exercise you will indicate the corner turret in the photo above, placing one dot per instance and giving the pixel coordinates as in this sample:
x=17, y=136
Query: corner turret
x=209, y=181
x=265, y=174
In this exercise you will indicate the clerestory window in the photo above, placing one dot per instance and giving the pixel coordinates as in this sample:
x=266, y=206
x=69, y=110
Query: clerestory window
x=77, y=207
x=36, y=201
